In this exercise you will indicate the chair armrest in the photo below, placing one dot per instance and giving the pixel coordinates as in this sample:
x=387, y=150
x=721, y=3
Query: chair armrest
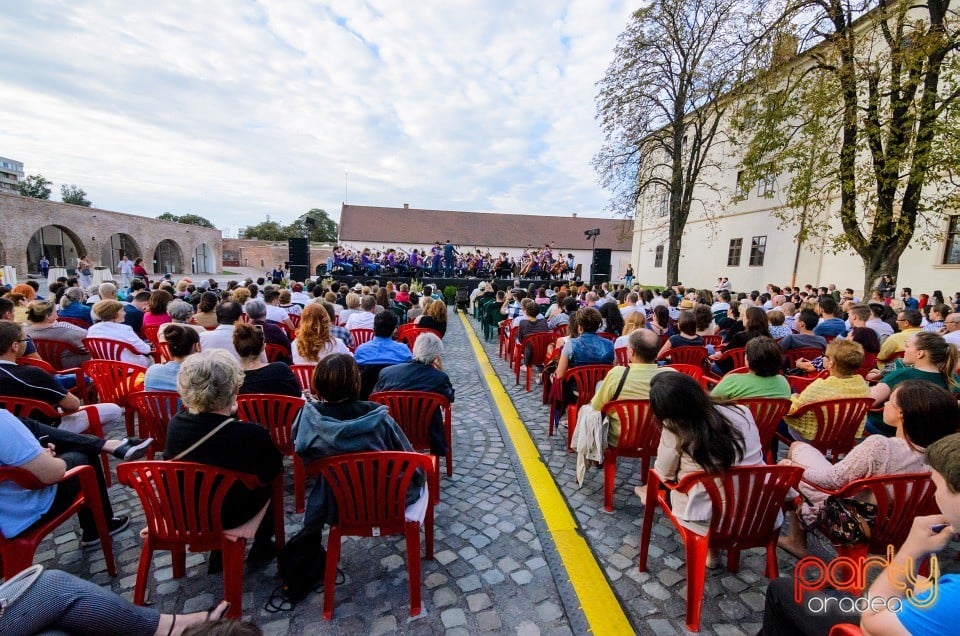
x=93, y=418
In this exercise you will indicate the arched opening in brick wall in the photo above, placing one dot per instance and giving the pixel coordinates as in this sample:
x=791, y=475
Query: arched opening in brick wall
x=116, y=247
x=60, y=245
x=168, y=257
x=204, y=260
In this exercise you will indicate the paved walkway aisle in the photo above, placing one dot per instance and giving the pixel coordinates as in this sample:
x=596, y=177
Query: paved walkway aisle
x=493, y=570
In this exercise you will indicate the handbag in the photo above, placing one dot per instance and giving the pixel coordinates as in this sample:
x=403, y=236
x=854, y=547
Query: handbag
x=17, y=585
x=845, y=521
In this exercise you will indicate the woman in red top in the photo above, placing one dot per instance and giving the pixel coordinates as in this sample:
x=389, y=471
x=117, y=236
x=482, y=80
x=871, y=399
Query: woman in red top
x=139, y=271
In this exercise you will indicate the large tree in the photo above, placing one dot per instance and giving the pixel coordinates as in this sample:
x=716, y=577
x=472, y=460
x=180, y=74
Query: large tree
x=265, y=231
x=316, y=224
x=74, y=195
x=36, y=186
x=189, y=219
x=869, y=115
x=660, y=105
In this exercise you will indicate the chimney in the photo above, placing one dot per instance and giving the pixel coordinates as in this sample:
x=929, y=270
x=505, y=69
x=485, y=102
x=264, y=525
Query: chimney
x=406, y=206
x=574, y=215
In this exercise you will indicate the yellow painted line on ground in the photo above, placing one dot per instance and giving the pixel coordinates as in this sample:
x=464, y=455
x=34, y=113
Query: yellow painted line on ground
x=603, y=611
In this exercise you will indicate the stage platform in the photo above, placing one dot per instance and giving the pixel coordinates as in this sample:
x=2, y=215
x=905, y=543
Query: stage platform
x=441, y=283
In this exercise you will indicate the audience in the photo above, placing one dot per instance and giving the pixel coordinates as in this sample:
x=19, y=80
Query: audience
x=182, y=341
x=260, y=376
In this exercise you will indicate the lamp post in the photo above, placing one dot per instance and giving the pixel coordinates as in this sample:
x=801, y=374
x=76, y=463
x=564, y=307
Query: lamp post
x=592, y=234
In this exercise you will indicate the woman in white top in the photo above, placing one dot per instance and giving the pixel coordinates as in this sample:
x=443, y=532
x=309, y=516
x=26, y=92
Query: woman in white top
x=314, y=341
x=111, y=327
x=699, y=434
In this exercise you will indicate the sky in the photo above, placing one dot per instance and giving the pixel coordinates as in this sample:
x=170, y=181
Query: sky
x=236, y=110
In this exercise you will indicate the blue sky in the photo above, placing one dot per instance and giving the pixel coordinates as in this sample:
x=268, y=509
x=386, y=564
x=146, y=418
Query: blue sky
x=235, y=110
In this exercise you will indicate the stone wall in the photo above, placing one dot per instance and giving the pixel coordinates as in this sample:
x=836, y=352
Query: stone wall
x=265, y=255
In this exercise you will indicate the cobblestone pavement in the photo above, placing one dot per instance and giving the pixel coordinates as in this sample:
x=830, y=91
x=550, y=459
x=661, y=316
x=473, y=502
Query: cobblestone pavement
x=490, y=573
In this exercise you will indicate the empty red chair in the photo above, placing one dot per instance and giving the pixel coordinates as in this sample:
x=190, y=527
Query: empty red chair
x=639, y=437
x=25, y=407
x=278, y=413
x=370, y=490
x=745, y=502
x=304, y=373
x=16, y=554
x=585, y=380
x=538, y=342
x=276, y=352
x=361, y=336
x=900, y=499
x=154, y=410
x=413, y=411
x=115, y=381
x=767, y=414
x=837, y=423
x=182, y=503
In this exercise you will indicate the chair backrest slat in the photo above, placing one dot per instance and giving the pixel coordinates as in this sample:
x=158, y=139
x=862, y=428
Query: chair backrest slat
x=276, y=413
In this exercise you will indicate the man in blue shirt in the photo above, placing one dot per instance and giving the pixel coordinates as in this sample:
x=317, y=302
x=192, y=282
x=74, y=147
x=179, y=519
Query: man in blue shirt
x=908, y=300
x=381, y=349
x=830, y=326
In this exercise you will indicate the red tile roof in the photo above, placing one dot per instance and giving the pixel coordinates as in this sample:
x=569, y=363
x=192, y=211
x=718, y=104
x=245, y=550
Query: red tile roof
x=370, y=225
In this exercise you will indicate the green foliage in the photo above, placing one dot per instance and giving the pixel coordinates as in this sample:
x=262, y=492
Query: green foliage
x=266, y=231
x=189, y=219
x=74, y=195
x=449, y=294
x=323, y=229
x=35, y=186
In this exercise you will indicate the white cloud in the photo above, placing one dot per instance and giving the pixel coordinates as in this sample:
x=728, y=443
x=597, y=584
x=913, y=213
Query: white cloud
x=237, y=110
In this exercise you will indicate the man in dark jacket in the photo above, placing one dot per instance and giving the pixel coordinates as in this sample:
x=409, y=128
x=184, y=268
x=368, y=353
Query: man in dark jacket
x=425, y=373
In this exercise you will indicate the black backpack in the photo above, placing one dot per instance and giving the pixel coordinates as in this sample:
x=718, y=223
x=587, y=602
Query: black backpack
x=300, y=566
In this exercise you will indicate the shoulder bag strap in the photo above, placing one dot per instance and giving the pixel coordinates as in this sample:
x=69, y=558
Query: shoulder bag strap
x=623, y=380
x=203, y=439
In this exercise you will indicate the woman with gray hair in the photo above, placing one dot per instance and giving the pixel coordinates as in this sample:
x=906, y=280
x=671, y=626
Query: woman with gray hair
x=72, y=306
x=425, y=373
x=180, y=312
x=208, y=383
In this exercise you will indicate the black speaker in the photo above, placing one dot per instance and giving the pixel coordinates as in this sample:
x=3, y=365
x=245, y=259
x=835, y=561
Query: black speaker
x=299, y=272
x=601, y=264
x=299, y=249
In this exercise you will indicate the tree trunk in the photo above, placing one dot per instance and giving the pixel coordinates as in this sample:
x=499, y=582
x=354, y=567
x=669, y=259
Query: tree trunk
x=876, y=265
x=673, y=256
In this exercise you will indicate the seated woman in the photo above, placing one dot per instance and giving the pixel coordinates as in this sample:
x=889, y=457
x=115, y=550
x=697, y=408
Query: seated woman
x=182, y=341
x=842, y=359
x=755, y=325
x=704, y=317
x=314, y=341
x=259, y=376
x=208, y=384
x=180, y=312
x=72, y=306
x=612, y=319
x=342, y=423
x=42, y=324
x=112, y=327
x=156, y=313
x=287, y=305
x=636, y=320
x=660, y=322
x=920, y=413
x=206, y=315
x=587, y=347
x=531, y=322
x=932, y=358
x=700, y=433
x=763, y=358
x=687, y=325
x=434, y=317
x=864, y=336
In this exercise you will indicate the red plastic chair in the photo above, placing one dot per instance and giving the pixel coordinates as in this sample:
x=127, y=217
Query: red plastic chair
x=539, y=342
x=639, y=437
x=151, y=333
x=809, y=353
x=585, y=380
x=799, y=383
x=115, y=381
x=370, y=491
x=79, y=322
x=163, y=352
x=409, y=336
x=694, y=372
x=560, y=331
x=507, y=338
x=900, y=499
x=767, y=413
x=182, y=504
x=16, y=554
x=693, y=356
x=837, y=424
x=622, y=355
x=745, y=503
x=413, y=411
x=714, y=341
x=846, y=629
x=275, y=352
x=869, y=364
x=107, y=349
x=737, y=356
x=277, y=413
x=612, y=337
x=25, y=407
x=361, y=336
x=304, y=373
x=52, y=352
x=154, y=410
x=294, y=320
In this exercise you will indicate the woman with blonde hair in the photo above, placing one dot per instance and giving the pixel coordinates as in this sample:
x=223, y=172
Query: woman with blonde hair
x=434, y=317
x=241, y=295
x=314, y=341
x=636, y=320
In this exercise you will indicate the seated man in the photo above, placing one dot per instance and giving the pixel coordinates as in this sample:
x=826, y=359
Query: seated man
x=425, y=374
x=362, y=319
x=228, y=312
x=36, y=384
x=908, y=322
x=59, y=451
x=806, y=322
x=830, y=326
x=382, y=349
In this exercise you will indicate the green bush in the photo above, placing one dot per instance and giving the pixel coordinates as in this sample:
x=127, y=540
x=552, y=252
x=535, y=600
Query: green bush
x=449, y=294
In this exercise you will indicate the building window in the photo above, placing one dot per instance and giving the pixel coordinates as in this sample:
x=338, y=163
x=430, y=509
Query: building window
x=733, y=254
x=951, y=256
x=758, y=247
x=767, y=182
x=658, y=256
x=742, y=188
x=664, y=203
